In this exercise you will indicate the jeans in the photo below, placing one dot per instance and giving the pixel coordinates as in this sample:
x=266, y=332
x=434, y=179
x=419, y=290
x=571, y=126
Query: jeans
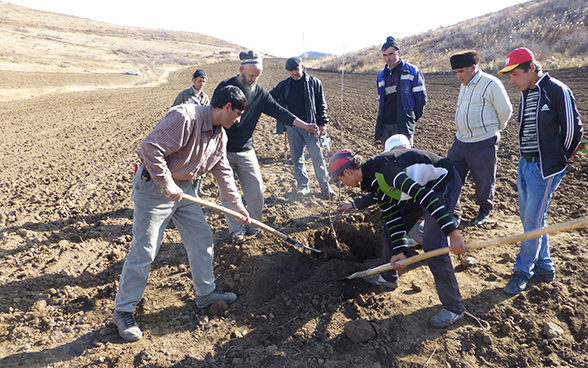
x=434, y=238
x=246, y=169
x=534, y=196
x=152, y=212
x=299, y=140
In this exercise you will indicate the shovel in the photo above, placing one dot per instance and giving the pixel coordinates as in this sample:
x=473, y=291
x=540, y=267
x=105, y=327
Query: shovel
x=564, y=226
x=260, y=225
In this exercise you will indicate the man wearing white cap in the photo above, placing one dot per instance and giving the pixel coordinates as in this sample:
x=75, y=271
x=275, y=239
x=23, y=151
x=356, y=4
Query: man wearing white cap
x=549, y=136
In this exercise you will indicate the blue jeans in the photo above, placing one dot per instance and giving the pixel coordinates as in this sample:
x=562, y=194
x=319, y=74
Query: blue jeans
x=299, y=140
x=534, y=196
x=152, y=212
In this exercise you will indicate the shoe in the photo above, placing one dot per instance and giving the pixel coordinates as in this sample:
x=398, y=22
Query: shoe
x=252, y=231
x=482, y=218
x=127, y=326
x=216, y=294
x=545, y=275
x=411, y=243
x=238, y=236
x=327, y=194
x=516, y=284
x=203, y=194
x=303, y=191
x=457, y=220
x=380, y=281
x=445, y=318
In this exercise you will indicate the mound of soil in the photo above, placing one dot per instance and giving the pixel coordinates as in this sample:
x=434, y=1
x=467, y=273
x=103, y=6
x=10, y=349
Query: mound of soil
x=66, y=215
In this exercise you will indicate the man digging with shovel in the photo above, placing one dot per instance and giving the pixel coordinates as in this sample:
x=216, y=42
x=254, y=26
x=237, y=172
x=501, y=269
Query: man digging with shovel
x=187, y=142
x=408, y=184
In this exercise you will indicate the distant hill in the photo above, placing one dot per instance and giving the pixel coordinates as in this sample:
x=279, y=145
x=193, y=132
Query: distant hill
x=556, y=31
x=315, y=54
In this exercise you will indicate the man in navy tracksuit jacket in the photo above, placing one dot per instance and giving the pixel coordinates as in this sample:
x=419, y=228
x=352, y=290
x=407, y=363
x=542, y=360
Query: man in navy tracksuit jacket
x=549, y=136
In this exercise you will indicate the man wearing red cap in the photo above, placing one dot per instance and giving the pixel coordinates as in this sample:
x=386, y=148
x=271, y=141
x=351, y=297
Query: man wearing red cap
x=549, y=136
x=408, y=184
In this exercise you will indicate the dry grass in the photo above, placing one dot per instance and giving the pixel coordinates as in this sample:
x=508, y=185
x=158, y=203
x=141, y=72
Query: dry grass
x=556, y=30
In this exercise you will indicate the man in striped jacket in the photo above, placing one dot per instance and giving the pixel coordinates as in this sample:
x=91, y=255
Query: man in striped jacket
x=408, y=184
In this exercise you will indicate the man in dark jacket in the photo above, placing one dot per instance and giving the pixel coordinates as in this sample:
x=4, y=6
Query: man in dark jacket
x=408, y=184
x=240, y=152
x=401, y=89
x=549, y=136
x=302, y=94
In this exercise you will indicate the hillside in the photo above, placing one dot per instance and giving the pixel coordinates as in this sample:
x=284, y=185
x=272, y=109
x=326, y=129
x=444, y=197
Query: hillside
x=556, y=30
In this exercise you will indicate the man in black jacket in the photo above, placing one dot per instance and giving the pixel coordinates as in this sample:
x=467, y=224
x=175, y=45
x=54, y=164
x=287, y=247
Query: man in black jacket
x=549, y=136
x=240, y=152
x=302, y=94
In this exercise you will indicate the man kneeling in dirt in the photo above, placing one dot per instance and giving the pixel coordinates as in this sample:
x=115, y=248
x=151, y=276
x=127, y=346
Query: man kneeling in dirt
x=408, y=184
x=187, y=142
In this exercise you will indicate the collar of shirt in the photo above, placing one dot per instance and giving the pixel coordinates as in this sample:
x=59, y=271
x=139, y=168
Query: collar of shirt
x=476, y=77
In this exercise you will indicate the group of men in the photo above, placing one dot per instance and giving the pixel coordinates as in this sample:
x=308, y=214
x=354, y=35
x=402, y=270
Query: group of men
x=197, y=136
x=408, y=184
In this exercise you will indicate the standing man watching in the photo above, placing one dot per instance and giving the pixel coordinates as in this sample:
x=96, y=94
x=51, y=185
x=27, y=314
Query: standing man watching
x=549, y=136
x=240, y=152
x=195, y=94
x=187, y=142
x=483, y=110
x=401, y=89
x=302, y=94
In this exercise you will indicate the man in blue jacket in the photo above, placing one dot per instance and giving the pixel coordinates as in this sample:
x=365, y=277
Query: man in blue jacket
x=549, y=136
x=401, y=89
x=302, y=94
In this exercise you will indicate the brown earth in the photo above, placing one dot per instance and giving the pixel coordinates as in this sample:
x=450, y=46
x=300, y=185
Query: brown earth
x=66, y=215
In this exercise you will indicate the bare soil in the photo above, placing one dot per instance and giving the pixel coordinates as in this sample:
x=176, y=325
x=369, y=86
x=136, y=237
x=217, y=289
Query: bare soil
x=66, y=214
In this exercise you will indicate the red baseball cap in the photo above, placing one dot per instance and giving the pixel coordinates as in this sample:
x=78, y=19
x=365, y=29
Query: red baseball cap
x=518, y=56
x=339, y=162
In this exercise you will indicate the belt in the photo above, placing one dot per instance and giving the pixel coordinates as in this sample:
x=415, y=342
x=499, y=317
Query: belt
x=530, y=158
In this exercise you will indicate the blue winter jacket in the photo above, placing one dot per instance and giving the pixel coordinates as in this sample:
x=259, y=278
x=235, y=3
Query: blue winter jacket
x=412, y=101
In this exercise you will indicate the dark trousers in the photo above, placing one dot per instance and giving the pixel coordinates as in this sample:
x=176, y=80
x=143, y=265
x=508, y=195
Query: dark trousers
x=433, y=238
x=479, y=159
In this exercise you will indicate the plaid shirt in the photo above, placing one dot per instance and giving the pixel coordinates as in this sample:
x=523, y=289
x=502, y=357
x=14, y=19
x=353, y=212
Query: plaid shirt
x=185, y=145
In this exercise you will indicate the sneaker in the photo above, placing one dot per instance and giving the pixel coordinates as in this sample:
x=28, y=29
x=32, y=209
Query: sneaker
x=457, y=220
x=482, y=218
x=238, y=236
x=445, y=318
x=380, y=281
x=545, y=275
x=216, y=294
x=127, y=326
x=252, y=231
x=303, y=191
x=516, y=284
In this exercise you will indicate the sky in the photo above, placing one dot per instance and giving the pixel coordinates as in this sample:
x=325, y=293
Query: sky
x=282, y=28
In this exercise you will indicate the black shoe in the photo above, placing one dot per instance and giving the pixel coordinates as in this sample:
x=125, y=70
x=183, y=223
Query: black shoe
x=327, y=194
x=517, y=283
x=542, y=274
x=482, y=218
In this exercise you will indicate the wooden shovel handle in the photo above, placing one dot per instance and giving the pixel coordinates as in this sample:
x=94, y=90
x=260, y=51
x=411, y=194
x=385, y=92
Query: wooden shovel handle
x=564, y=226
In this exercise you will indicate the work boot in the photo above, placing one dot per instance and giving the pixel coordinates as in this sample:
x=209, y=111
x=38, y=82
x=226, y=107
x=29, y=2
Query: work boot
x=517, y=283
x=445, y=318
x=216, y=294
x=127, y=326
